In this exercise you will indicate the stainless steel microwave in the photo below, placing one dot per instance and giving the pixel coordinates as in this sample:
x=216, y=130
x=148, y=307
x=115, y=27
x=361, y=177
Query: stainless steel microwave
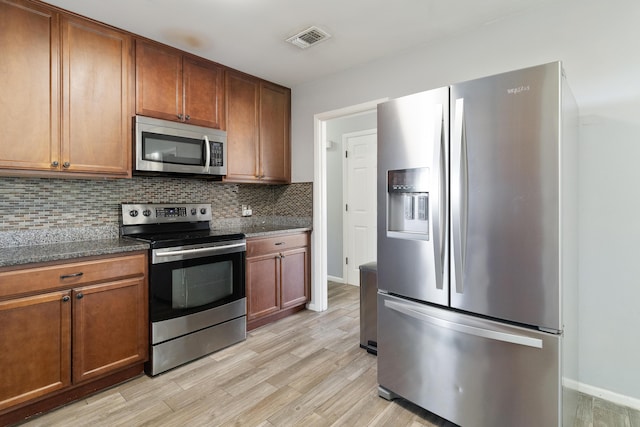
x=163, y=146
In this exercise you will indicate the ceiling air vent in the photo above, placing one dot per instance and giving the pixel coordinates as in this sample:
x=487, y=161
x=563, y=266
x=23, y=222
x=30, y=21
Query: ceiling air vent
x=308, y=37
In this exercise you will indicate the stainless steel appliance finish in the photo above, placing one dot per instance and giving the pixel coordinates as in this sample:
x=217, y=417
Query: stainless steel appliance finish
x=180, y=253
x=197, y=301
x=477, y=316
x=170, y=354
x=162, y=146
x=177, y=341
x=472, y=371
x=369, y=307
x=157, y=213
x=505, y=168
x=412, y=147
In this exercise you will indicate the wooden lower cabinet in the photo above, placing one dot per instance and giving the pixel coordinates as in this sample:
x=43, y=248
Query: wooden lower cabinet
x=59, y=345
x=35, y=347
x=109, y=327
x=277, y=277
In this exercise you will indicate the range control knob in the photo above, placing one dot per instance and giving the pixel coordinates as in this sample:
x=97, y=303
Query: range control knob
x=133, y=213
x=203, y=211
x=146, y=212
x=194, y=211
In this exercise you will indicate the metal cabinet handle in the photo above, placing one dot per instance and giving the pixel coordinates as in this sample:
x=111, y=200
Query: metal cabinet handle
x=66, y=164
x=66, y=298
x=180, y=116
x=55, y=164
x=187, y=117
x=80, y=295
x=279, y=243
x=69, y=276
x=437, y=206
x=459, y=196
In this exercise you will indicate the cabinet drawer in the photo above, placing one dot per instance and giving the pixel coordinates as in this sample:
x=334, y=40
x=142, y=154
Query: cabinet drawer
x=266, y=245
x=70, y=274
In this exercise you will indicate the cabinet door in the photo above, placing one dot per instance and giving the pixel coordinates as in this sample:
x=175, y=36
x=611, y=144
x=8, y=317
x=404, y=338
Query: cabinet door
x=29, y=92
x=263, y=285
x=203, y=93
x=275, y=112
x=110, y=329
x=294, y=277
x=158, y=82
x=96, y=115
x=35, y=347
x=242, y=97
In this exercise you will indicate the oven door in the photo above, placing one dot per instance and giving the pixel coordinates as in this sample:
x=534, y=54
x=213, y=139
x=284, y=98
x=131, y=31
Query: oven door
x=191, y=279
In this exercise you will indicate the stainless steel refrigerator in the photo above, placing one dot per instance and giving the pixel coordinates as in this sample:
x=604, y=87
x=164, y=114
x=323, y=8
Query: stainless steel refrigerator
x=477, y=249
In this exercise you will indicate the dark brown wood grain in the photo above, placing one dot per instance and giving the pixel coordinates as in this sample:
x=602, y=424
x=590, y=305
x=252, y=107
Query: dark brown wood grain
x=277, y=277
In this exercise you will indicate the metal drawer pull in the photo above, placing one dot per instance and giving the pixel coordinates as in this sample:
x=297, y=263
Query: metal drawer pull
x=80, y=295
x=65, y=298
x=279, y=243
x=69, y=276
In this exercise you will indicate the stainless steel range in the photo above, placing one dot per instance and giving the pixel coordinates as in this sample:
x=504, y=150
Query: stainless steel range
x=197, y=301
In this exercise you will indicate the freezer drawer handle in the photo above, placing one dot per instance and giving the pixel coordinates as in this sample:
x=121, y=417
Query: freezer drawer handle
x=465, y=329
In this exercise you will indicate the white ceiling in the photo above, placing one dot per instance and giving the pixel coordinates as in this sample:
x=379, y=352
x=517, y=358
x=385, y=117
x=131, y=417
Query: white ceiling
x=249, y=35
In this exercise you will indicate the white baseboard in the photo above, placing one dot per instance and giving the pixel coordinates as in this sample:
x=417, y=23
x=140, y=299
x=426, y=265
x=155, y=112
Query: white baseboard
x=611, y=396
x=335, y=279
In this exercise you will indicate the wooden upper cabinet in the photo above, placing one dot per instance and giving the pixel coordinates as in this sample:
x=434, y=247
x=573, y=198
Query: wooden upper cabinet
x=203, y=93
x=96, y=115
x=242, y=102
x=50, y=59
x=275, y=115
x=173, y=86
x=158, y=81
x=258, y=130
x=29, y=92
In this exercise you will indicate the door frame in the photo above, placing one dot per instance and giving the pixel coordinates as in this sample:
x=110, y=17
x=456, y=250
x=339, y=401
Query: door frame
x=319, y=235
x=345, y=195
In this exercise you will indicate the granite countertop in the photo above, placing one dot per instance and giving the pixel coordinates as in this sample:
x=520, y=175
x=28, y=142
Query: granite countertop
x=11, y=255
x=264, y=230
x=18, y=255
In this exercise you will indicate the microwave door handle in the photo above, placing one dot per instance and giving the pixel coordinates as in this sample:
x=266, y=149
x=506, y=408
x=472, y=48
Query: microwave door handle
x=207, y=152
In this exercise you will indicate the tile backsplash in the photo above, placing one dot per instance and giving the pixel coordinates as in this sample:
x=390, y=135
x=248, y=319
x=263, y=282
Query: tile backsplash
x=42, y=203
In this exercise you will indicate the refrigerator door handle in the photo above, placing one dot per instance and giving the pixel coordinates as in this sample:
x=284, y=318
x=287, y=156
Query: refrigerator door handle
x=459, y=195
x=422, y=315
x=437, y=208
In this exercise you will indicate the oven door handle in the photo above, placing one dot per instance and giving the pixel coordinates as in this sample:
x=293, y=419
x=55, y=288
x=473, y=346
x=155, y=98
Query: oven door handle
x=203, y=251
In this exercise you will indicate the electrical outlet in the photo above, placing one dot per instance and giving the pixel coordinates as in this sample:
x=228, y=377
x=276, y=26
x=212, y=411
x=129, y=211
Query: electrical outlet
x=246, y=210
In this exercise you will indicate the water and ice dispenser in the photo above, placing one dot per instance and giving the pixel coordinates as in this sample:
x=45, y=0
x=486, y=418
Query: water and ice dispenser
x=408, y=204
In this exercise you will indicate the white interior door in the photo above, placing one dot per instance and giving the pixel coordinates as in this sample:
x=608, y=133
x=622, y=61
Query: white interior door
x=360, y=164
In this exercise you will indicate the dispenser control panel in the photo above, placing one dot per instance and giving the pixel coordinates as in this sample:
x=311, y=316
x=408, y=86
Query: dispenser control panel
x=408, y=203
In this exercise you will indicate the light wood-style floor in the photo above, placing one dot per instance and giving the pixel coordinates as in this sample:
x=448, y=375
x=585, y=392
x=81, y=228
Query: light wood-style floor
x=307, y=369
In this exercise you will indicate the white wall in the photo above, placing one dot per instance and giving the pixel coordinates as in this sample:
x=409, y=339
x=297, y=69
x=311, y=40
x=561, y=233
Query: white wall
x=598, y=43
x=335, y=155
